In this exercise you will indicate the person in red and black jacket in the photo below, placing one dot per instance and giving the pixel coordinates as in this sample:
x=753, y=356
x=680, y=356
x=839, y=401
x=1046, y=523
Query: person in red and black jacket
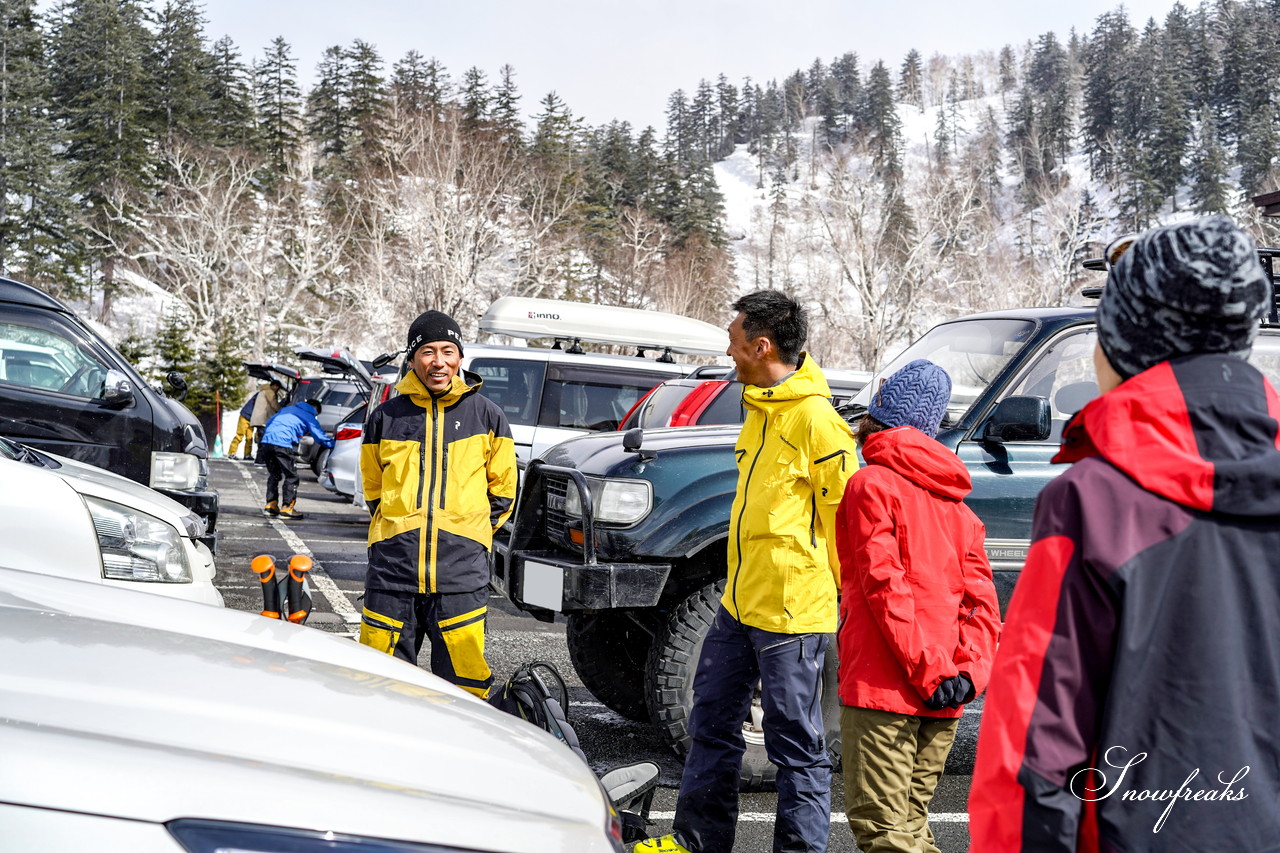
x=1133, y=701
x=918, y=612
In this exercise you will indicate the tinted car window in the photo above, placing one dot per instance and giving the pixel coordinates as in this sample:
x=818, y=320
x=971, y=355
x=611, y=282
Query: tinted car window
x=584, y=398
x=308, y=389
x=973, y=352
x=516, y=386
x=343, y=398
x=1063, y=374
x=43, y=358
x=726, y=408
x=658, y=407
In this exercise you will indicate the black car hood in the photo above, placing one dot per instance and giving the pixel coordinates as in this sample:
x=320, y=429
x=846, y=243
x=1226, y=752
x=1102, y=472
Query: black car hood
x=598, y=452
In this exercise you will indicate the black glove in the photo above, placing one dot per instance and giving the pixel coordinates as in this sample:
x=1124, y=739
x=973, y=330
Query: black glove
x=952, y=693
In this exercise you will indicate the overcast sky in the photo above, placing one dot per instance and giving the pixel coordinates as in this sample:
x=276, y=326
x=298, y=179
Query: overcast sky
x=609, y=59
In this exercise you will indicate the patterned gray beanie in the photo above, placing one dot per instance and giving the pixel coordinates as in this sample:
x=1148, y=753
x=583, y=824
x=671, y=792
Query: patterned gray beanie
x=1194, y=287
x=917, y=395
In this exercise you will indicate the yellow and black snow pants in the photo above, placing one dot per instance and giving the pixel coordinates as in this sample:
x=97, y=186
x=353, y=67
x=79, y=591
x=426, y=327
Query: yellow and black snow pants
x=397, y=622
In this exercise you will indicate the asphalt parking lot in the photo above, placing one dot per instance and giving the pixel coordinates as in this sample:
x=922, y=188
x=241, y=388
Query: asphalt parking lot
x=333, y=534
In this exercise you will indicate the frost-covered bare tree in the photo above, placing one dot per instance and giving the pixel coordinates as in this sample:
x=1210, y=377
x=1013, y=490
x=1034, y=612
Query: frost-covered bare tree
x=1065, y=226
x=880, y=283
x=448, y=208
x=303, y=291
x=191, y=238
x=542, y=228
x=636, y=260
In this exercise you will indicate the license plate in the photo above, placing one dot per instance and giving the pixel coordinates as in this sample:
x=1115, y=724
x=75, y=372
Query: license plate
x=543, y=585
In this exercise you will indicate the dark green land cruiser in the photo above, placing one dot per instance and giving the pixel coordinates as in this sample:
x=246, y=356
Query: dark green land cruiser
x=625, y=533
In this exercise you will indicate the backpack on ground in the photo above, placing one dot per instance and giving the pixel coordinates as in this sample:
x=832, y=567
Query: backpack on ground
x=536, y=693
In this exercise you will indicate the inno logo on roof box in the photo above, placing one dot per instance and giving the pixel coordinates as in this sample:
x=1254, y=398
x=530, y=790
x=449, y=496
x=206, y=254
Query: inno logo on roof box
x=534, y=315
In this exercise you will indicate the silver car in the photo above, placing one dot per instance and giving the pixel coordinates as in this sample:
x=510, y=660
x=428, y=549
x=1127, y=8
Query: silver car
x=341, y=472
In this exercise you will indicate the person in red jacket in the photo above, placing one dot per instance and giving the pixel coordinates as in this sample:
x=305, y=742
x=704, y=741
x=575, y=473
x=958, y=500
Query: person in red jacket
x=918, y=611
x=1132, y=704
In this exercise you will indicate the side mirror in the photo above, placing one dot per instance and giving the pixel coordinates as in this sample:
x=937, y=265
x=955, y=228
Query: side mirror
x=385, y=359
x=117, y=390
x=178, y=383
x=632, y=439
x=1019, y=419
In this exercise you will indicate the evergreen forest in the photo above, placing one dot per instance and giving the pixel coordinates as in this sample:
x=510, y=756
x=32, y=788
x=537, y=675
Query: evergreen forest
x=888, y=193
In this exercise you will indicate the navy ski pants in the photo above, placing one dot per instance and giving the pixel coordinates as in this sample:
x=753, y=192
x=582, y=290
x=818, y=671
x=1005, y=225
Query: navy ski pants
x=789, y=667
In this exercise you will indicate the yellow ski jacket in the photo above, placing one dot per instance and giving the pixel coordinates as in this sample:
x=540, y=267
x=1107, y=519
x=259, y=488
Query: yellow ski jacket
x=440, y=477
x=794, y=455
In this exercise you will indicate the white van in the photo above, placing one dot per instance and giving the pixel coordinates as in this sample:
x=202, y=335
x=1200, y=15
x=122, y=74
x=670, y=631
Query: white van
x=65, y=518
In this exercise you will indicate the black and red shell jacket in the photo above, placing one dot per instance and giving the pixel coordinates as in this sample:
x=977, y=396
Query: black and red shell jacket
x=1135, y=699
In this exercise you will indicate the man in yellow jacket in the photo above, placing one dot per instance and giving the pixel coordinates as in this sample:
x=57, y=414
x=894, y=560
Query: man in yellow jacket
x=439, y=471
x=794, y=455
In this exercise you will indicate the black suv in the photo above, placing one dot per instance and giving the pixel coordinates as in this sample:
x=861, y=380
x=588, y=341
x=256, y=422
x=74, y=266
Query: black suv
x=65, y=390
x=625, y=533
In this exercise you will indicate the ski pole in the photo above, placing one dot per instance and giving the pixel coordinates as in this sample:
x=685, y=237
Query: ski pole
x=299, y=600
x=264, y=566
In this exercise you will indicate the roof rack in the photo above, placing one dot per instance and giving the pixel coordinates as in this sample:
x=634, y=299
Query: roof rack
x=1266, y=256
x=578, y=322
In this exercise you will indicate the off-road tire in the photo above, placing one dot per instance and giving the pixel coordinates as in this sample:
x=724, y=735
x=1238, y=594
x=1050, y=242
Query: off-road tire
x=609, y=650
x=669, y=687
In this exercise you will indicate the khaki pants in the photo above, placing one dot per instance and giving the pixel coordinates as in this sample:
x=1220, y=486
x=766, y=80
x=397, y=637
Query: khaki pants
x=892, y=764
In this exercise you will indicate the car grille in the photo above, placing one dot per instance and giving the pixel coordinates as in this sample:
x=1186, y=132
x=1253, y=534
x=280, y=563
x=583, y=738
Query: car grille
x=557, y=522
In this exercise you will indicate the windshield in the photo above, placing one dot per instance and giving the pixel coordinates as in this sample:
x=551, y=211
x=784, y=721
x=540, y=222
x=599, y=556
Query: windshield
x=973, y=352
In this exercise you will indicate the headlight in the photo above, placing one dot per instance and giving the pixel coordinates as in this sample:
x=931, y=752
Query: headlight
x=193, y=526
x=210, y=836
x=136, y=546
x=616, y=501
x=174, y=470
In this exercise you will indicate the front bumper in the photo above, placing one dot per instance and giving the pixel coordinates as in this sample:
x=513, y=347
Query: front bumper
x=202, y=503
x=547, y=581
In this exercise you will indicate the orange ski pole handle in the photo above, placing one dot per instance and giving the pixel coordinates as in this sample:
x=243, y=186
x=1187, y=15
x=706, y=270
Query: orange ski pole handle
x=299, y=600
x=264, y=566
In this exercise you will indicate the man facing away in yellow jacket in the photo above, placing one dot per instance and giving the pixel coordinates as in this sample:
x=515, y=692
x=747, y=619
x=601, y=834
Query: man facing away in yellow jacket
x=794, y=455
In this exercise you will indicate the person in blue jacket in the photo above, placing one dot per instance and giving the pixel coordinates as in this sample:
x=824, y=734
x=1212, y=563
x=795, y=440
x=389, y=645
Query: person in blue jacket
x=278, y=441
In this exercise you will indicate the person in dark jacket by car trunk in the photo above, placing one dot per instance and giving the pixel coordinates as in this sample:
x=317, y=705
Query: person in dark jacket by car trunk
x=918, y=612
x=1132, y=705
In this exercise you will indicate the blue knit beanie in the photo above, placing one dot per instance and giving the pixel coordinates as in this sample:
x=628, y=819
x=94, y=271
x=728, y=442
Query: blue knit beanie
x=917, y=395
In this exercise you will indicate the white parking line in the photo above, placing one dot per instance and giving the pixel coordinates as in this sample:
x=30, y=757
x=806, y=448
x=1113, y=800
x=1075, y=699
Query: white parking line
x=336, y=598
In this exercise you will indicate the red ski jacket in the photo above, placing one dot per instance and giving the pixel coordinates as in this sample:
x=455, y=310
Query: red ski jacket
x=1133, y=702
x=917, y=602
